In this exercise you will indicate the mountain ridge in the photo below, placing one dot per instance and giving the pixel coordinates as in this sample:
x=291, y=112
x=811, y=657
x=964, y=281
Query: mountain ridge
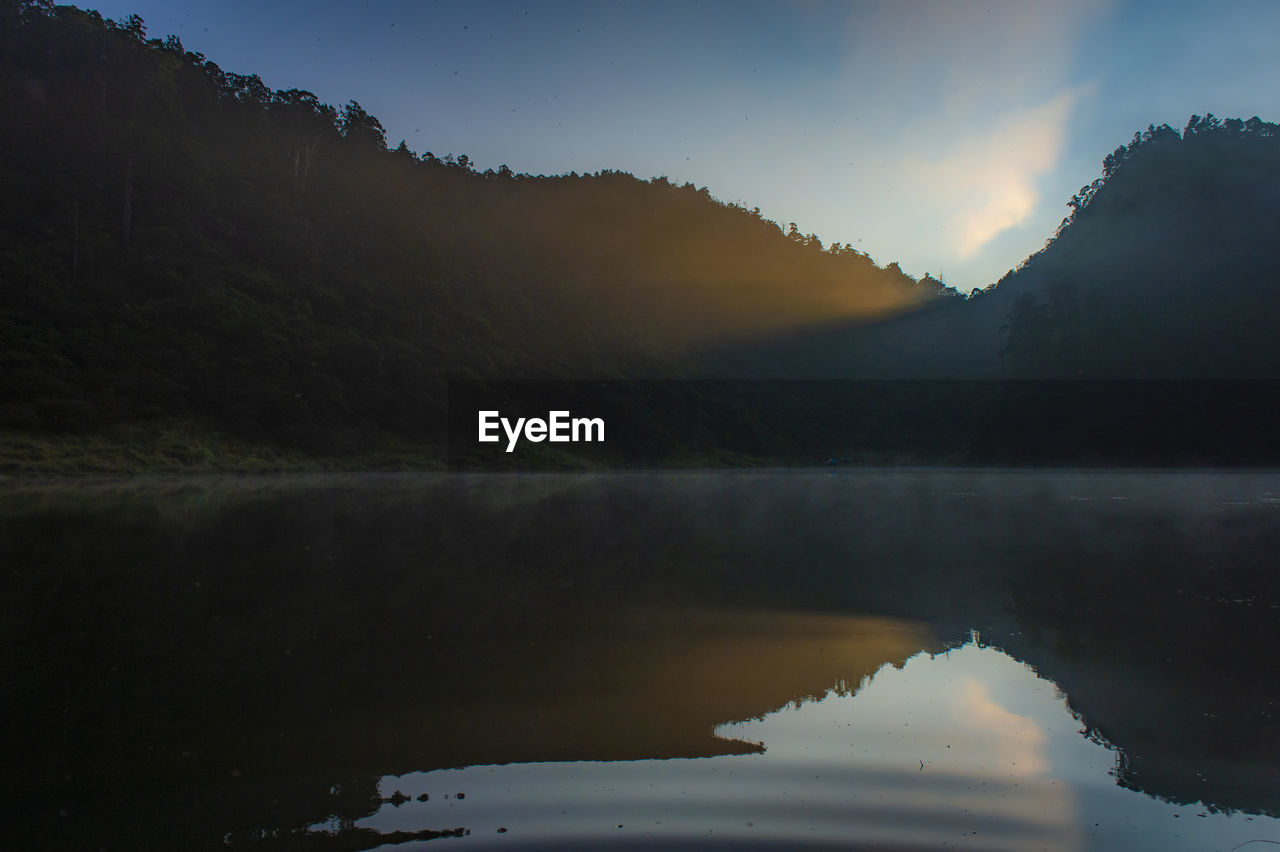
x=183, y=245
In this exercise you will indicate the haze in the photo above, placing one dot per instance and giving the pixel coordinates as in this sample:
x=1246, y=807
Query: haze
x=943, y=135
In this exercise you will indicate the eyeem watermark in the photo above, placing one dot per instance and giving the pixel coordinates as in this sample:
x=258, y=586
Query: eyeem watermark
x=558, y=428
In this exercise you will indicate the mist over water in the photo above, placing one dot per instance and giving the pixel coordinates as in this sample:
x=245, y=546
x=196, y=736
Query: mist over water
x=920, y=658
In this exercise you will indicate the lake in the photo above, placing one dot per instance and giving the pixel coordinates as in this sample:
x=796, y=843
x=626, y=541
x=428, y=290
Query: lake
x=900, y=659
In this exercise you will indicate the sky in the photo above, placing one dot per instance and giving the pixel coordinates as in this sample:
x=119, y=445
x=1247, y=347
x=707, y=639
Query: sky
x=946, y=135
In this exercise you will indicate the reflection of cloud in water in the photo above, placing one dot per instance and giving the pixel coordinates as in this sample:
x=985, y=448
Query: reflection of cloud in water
x=845, y=767
x=963, y=749
x=981, y=770
x=1016, y=741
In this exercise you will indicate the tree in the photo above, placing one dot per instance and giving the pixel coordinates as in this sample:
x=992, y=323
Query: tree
x=362, y=129
x=1029, y=324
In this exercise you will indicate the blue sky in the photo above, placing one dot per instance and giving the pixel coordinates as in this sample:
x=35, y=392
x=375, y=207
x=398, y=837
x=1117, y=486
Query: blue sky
x=944, y=134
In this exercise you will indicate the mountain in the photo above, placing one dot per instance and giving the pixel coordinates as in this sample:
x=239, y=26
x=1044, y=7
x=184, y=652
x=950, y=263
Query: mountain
x=194, y=266
x=177, y=241
x=1164, y=269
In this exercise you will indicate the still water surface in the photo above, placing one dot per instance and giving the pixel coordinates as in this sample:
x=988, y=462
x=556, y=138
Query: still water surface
x=963, y=750
x=876, y=659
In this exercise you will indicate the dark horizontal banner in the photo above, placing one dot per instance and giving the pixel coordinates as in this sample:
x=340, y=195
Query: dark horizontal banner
x=536, y=424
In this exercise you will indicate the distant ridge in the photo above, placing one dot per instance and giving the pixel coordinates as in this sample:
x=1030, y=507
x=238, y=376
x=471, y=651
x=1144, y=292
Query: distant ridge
x=1166, y=267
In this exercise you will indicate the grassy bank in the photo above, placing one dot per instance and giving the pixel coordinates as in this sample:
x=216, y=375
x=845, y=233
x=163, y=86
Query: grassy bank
x=185, y=447
x=191, y=447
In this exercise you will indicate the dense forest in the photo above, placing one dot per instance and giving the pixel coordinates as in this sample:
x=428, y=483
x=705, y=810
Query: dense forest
x=1164, y=268
x=193, y=262
x=181, y=241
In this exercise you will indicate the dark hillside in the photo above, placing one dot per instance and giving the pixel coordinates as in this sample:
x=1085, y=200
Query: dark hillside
x=1167, y=265
x=177, y=241
x=1165, y=268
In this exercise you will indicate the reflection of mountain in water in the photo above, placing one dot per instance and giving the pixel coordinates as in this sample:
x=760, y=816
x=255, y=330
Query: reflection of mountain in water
x=654, y=685
x=1213, y=741
x=188, y=660
x=964, y=749
x=1191, y=708
x=845, y=770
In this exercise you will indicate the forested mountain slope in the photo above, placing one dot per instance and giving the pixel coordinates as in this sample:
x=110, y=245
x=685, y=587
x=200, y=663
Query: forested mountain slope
x=177, y=240
x=1165, y=268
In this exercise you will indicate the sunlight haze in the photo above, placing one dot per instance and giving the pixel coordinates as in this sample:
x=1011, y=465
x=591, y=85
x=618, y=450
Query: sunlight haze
x=947, y=136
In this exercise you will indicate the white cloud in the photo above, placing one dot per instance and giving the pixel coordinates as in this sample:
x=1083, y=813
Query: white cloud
x=989, y=180
x=966, y=108
x=960, y=60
